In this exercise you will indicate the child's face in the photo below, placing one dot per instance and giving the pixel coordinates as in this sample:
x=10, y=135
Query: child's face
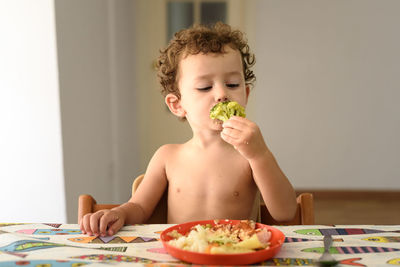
x=206, y=79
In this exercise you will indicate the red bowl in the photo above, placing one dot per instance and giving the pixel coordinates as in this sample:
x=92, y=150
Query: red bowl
x=276, y=241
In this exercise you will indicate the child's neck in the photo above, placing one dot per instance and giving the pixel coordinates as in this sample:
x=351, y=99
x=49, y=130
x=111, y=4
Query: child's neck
x=205, y=140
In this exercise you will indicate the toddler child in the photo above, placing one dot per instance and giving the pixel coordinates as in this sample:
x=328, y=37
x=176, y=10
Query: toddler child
x=215, y=174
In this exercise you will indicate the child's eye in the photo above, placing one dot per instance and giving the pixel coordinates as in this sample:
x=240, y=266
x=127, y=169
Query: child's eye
x=232, y=85
x=204, y=88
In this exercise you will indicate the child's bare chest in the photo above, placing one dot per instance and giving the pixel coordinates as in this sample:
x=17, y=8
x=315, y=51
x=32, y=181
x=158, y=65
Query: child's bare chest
x=207, y=185
x=207, y=175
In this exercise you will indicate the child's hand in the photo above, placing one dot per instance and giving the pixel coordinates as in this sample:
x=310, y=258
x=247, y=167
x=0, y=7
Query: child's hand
x=102, y=222
x=245, y=136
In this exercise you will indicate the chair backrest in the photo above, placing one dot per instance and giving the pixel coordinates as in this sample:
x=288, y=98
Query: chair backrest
x=87, y=204
x=304, y=214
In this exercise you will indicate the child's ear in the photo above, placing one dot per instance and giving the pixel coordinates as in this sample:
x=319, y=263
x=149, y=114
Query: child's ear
x=247, y=92
x=174, y=105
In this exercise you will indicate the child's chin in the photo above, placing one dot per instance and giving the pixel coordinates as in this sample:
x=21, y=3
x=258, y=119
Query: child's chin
x=218, y=124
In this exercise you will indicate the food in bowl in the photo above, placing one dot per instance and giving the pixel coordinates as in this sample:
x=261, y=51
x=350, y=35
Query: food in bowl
x=222, y=238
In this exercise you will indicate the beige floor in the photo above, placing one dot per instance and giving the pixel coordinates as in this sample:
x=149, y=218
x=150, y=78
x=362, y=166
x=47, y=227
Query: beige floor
x=359, y=208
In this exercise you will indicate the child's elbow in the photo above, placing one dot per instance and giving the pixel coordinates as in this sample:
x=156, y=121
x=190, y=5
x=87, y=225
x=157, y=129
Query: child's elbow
x=286, y=215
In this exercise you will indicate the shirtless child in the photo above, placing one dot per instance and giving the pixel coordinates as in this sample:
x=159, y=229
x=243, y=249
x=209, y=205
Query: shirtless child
x=216, y=174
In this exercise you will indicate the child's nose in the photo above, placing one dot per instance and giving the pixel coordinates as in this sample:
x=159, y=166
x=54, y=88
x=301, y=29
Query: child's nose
x=222, y=99
x=221, y=95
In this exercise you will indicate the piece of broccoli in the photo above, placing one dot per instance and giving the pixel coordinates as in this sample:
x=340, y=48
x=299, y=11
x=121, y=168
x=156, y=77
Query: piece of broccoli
x=224, y=110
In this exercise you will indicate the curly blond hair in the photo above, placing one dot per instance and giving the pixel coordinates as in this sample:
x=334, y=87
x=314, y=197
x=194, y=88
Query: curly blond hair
x=201, y=39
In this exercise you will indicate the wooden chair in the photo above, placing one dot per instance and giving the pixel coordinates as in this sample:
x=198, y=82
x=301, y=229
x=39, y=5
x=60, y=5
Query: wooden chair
x=304, y=214
x=87, y=204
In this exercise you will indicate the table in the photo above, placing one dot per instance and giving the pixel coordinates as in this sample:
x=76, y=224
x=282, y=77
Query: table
x=61, y=245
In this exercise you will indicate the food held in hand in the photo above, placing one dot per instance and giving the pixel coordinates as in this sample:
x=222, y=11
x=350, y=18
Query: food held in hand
x=224, y=110
x=222, y=238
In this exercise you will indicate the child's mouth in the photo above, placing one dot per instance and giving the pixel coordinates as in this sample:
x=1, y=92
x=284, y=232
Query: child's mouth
x=219, y=122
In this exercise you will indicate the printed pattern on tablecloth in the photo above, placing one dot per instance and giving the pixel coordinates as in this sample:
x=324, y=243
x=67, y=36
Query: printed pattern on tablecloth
x=59, y=245
x=352, y=245
x=23, y=241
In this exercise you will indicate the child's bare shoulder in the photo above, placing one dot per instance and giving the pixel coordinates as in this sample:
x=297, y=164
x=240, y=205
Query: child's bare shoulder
x=161, y=158
x=168, y=150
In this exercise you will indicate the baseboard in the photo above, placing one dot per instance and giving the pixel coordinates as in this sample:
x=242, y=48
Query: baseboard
x=393, y=195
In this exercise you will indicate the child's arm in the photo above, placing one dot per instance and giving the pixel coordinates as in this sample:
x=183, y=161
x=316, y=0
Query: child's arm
x=151, y=188
x=139, y=208
x=275, y=188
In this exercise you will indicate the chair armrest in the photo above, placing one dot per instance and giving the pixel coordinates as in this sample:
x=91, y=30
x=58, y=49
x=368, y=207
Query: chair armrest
x=85, y=205
x=306, y=201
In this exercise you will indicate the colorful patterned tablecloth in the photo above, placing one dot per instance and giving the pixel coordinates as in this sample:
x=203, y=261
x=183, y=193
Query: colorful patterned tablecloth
x=62, y=245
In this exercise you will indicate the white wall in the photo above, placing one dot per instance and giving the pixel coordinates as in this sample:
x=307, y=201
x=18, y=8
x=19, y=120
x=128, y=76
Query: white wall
x=157, y=124
x=31, y=168
x=328, y=90
x=98, y=99
x=326, y=97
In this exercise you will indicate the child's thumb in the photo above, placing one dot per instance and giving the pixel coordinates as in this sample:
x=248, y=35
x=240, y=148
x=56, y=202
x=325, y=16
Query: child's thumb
x=115, y=226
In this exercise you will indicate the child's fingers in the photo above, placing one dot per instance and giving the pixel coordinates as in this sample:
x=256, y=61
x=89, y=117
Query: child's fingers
x=107, y=219
x=237, y=123
x=80, y=222
x=114, y=227
x=229, y=139
x=94, y=222
x=235, y=136
x=85, y=224
x=240, y=130
x=234, y=133
x=233, y=128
